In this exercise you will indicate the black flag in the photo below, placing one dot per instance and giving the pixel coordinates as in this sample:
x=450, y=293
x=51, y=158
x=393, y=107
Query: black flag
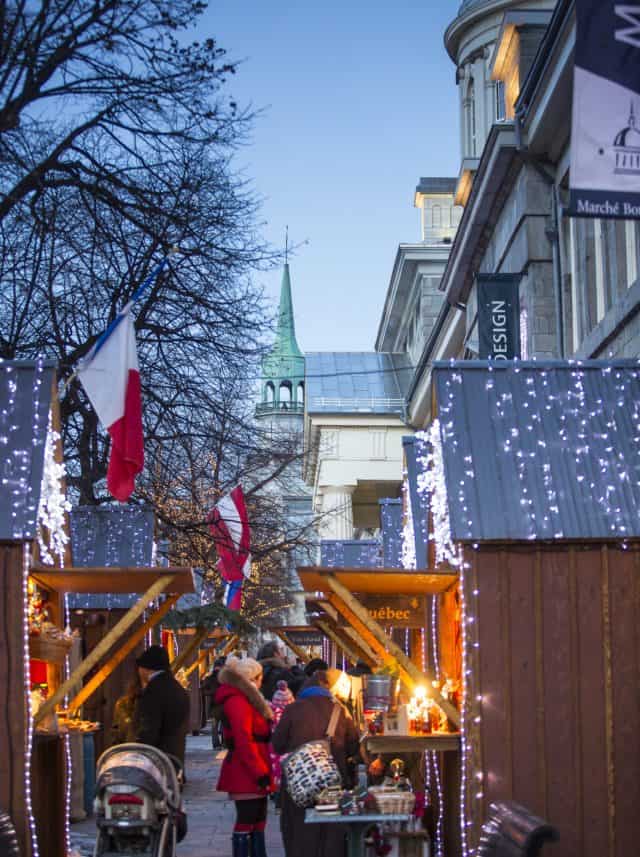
x=498, y=316
x=605, y=134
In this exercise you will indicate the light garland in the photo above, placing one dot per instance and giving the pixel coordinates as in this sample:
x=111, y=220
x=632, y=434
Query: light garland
x=53, y=504
x=440, y=821
x=408, y=550
x=432, y=481
x=26, y=565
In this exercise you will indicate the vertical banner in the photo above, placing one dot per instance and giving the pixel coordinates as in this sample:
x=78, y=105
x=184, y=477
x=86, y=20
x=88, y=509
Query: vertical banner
x=498, y=316
x=605, y=131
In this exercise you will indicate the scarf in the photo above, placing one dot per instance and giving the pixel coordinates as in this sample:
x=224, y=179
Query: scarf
x=315, y=690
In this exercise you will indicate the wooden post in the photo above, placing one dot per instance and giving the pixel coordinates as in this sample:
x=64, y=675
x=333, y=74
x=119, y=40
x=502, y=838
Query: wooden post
x=344, y=601
x=116, y=659
x=297, y=651
x=191, y=647
x=103, y=646
x=13, y=728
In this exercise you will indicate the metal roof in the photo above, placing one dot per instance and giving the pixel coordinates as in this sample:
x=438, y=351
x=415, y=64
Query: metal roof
x=356, y=382
x=436, y=184
x=25, y=400
x=118, y=536
x=541, y=451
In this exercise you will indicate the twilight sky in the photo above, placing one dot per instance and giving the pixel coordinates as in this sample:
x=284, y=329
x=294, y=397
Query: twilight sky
x=359, y=101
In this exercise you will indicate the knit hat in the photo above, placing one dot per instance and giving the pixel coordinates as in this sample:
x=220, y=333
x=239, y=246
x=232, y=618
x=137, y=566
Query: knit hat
x=282, y=696
x=154, y=658
x=314, y=665
x=246, y=667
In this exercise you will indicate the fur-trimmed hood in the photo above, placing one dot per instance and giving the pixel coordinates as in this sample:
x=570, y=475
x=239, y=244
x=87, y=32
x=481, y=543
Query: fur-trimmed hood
x=232, y=682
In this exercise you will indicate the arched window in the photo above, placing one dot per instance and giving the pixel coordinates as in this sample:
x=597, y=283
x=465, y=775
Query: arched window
x=470, y=103
x=269, y=393
x=300, y=393
x=284, y=394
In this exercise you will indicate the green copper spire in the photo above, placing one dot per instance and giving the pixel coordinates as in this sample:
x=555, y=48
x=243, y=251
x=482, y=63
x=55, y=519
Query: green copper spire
x=286, y=344
x=283, y=366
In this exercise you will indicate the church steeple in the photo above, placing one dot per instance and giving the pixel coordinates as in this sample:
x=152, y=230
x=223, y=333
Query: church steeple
x=283, y=366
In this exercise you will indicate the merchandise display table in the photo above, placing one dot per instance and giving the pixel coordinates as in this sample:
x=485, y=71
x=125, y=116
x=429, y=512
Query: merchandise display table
x=356, y=826
x=411, y=743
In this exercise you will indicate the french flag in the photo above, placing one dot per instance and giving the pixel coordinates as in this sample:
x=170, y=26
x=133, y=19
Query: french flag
x=111, y=379
x=229, y=525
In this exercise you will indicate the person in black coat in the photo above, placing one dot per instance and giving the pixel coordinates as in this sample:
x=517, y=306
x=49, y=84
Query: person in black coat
x=274, y=668
x=163, y=707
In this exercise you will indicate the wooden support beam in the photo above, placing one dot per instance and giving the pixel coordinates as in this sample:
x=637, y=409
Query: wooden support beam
x=359, y=628
x=229, y=646
x=343, y=600
x=297, y=651
x=105, y=644
x=191, y=647
x=350, y=635
x=116, y=659
x=349, y=648
x=201, y=657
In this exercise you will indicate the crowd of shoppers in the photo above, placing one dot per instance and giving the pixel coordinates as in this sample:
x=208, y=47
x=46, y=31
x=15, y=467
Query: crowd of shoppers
x=262, y=710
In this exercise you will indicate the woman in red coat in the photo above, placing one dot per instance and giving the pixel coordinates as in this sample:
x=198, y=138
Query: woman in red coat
x=246, y=770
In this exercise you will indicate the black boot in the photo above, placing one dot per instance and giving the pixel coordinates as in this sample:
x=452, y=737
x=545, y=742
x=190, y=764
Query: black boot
x=258, y=847
x=240, y=844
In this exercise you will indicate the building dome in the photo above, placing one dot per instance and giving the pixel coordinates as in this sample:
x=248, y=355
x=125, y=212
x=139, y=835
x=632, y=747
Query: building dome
x=629, y=137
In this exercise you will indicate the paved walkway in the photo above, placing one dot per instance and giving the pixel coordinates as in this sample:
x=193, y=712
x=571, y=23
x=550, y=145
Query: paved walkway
x=209, y=812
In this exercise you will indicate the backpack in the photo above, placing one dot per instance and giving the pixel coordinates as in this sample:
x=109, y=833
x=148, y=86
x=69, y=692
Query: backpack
x=311, y=768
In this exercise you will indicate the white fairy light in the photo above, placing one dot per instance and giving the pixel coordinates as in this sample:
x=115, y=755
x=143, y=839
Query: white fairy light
x=53, y=504
x=408, y=554
x=432, y=480
x=26, y=564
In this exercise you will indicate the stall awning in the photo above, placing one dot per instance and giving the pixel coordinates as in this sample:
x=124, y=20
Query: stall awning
x=540, y=450
x=112, y=580
x=377, y=581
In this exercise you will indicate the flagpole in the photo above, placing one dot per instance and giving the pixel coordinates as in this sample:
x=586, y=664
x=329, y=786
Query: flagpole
x=116, y=321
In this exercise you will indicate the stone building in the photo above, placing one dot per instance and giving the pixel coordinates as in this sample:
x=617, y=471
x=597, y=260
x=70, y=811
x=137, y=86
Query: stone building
x=579, y=286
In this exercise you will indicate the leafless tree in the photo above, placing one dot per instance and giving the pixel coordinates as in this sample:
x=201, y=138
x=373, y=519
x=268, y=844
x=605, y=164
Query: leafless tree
x=117, y=143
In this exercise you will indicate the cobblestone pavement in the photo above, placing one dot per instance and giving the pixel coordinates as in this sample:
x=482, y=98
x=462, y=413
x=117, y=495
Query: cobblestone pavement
x=210, y=813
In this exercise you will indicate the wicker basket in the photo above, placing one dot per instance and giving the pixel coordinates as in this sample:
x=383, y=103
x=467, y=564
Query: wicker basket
x=50, y=649
x=395, y=802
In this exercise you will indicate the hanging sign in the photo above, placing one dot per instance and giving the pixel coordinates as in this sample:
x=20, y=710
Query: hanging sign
x=308, y=638
x=397, y=611
x=498, y=316
x=605, y=132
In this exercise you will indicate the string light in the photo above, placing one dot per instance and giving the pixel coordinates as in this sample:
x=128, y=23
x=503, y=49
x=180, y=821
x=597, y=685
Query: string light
x=53, y=505
x=408, y=554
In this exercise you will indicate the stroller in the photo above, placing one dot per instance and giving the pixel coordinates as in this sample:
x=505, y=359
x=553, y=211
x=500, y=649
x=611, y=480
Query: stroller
x=138, y=805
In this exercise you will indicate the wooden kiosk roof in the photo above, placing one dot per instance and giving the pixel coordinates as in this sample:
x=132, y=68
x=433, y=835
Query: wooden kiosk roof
x=377, y=581
x=113, y=580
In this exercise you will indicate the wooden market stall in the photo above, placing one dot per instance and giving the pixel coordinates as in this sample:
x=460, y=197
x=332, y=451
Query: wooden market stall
x=26, y=396
x=303, y=640
x=535, y=473
x=358, y=608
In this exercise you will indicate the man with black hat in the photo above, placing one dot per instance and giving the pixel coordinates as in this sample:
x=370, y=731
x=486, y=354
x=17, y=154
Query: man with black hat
x=163, y=708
